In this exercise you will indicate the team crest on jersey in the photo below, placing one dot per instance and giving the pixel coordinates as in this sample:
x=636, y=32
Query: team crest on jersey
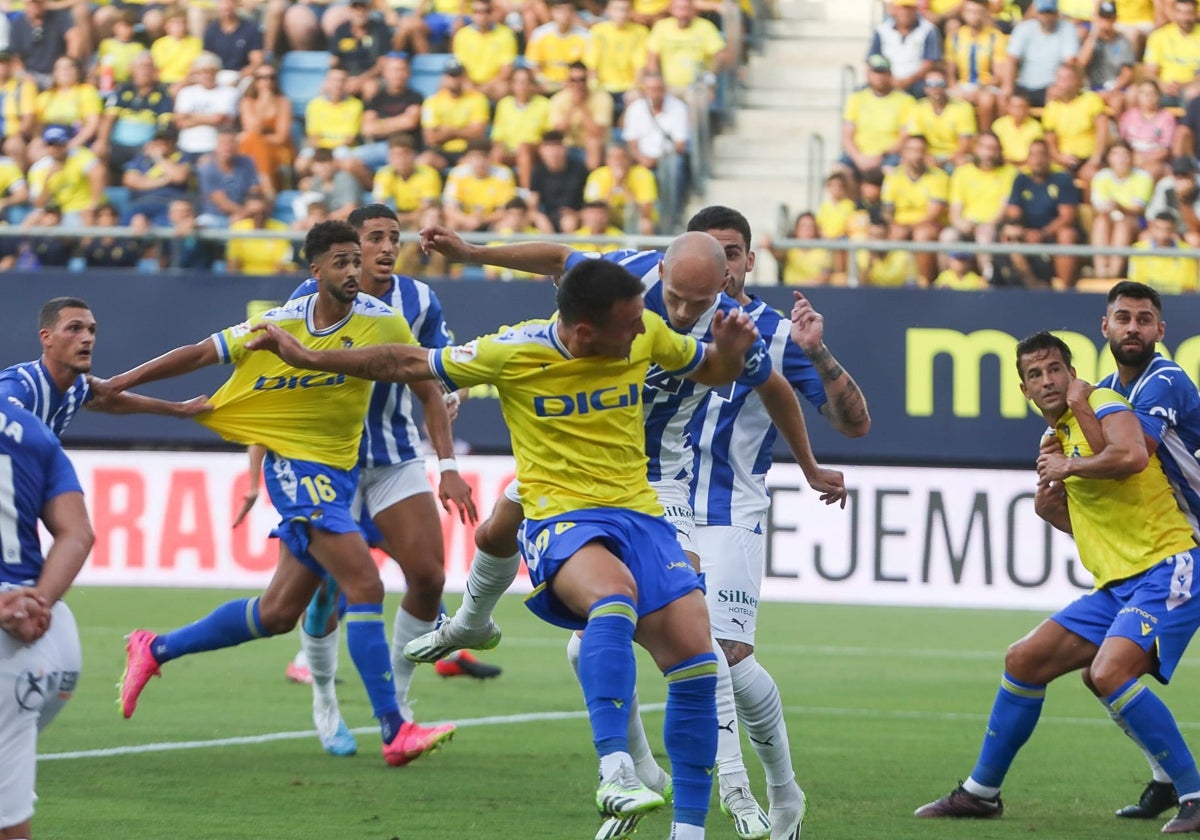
x=347, y=342
x=464, y=353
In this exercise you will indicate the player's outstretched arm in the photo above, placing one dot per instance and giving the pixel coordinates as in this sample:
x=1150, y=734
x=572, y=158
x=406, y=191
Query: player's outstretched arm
x=1124, y=454
x=381, y=363
x=66, y=518
x=122, y=402
x=784, y=410
x=177, y=362
x=845, y=406
x=724, y=357
x=257, y=453
x=534, y=257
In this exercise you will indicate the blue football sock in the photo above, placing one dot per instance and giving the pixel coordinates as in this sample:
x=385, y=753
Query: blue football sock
x=608, y=671
x=690, y=734
x=1154, y=725
x=369, y=650
x=230, y=624
x=1014, y=715
x=320, y=608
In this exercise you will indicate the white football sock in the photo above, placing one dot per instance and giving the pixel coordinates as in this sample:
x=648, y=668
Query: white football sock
x=686, y=831
x=1160, y=775
x=488, y=580
x=731, y=768
x=405, y=628
x=761, y=711
x=322, y=655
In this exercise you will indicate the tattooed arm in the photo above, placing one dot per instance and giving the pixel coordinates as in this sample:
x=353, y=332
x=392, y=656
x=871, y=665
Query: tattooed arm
x=845, y=407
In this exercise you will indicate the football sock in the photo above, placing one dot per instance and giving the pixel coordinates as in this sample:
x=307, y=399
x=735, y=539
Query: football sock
x=1154, y=726
x=731, y=768
x=322, y=653
x=405, y=628
x=761, y=712
x=489, y=578
x=322, y=606
x=369, y=650
x=1015, y=713
x=1156, y=769
x=690, y=735
x=686, y=831
x=608, y=671
x=230, y=624
x=644, y=762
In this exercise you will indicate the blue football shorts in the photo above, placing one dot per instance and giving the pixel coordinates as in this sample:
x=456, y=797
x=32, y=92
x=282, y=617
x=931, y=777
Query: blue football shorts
x=644, y=543
x=309, y=495
x=1157, y=610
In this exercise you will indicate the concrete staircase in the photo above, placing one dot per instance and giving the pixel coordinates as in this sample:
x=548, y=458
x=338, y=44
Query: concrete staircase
x=789, y=93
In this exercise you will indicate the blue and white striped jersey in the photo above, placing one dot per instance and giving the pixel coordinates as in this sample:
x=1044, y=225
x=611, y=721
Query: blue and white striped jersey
x=1168, y=406
x=668, y=403
x=732, y=435
x=33, y=470
x=390, y=436
x=29, y=385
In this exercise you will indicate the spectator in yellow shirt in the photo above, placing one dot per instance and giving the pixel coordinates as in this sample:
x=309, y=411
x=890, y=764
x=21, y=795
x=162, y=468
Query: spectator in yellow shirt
x=946, y=124
x=802, y=266
x=1173, y=54
x=476, y=190
x=874, y=120
x=1119, y=197
x=553, y=47
x=975, y=52
x=514, y=218
x=594, y=221
x=258, y=256
x=584, y=115
x=1076, y=123
x=451, y=118
x=175, y=51
x=1168, y=274
x=979, y=194
x=17, y=115
x=405, y=185
x=1017, y=130
x=521, y=120
x=881, y=267
x=487, y=50
x=70, y=103
x=617, y=51
x=72, y=179
x=835, y=213
x=960, y=274
x=333, y=120
x=914, y=201
x=683, y=46
x=629, y=190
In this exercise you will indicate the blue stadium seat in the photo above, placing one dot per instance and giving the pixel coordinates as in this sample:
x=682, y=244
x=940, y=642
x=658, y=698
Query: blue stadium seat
x=300, y=76
x=283, y=206
x=427, y=72
x=118, y=197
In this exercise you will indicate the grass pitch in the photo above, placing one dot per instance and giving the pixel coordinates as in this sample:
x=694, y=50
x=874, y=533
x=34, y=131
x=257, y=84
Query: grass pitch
x=886, y=709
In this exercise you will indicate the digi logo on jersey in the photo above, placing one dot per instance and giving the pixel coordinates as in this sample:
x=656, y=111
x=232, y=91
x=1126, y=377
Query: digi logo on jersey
x=602, y=399
x=293, y=383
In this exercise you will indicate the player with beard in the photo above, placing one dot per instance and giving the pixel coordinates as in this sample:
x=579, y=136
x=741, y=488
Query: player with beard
x=1166, y=401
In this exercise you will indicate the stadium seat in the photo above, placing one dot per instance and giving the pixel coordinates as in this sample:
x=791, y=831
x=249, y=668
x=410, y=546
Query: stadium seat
x=427, y=72
x=284, y=206
x=301, y=74
x=118, y=197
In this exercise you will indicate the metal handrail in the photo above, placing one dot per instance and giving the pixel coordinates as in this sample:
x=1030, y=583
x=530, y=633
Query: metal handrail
x=849, y=82
x=816, y=168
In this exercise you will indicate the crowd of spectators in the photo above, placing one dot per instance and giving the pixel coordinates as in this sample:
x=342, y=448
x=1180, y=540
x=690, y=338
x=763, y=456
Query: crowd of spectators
x=143, y=115
x=1053, y=122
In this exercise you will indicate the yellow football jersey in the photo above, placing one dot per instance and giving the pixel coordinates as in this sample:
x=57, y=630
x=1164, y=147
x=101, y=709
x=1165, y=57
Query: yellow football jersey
x=17, y=98
x=576, y=423
x=443, y=109
x=833, y=220
x=805, y=266
x=1122, y=526
x=1015, y=139
x=912, y=200
x=174, y=56
x=969, y=282
x=333, y=124
x=943, y=131
x=259, y=256
x=515, y=124
x=484, y=54
x=684, y=53
x=877, y=119
x=1176, y=55
x=552, y=53
x=617, y=54
x=423, y=186
x=301, y=414
x=67, y=107
x=1169, y=275
x=1074, y=123
x=982, y=193
x=70, y=188
x=467, y=191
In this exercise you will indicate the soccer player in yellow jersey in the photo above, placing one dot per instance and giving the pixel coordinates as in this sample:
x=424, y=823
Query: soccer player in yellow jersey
x=601, y=556
x=310, y=424
x=1098, y=482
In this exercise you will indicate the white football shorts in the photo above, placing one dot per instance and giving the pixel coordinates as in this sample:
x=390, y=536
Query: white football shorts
x=732, y=559
x=676, y=500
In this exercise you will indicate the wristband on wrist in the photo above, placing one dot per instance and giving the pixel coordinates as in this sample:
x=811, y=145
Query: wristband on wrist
x=447, y=465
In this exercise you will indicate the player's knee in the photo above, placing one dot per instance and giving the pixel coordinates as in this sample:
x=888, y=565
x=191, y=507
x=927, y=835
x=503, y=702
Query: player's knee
x=1022, y=662
x=735, y=652
x=427, y=578
x=1086, y=676
x=276, y=621
x=493, y=539
x=363, y=590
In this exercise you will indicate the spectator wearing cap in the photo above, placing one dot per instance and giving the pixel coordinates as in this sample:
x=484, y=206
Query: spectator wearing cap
x=403, y=184
x=960, y=274
x=553, y=47
x=258, y=256
x=394, y=109
x=17, y=117
x=556, y=188
x=616, y=52
x=1046, y=205
x=338, y=189
x=1179, y=195
x=1017, y=129
x=452, y=117
x=1173, y=53
x=1167, y=273
x=132, y=114
x=69, y=177
x=358, y=47
x=1108, y=58
x=487, y=50
x=155, y=178
x=1149, y=129
x=265, y=120
x=70, y=102
x=684, y=46
x=914, y=201
x=333, y=121
x=974, y=53
x=236, y=40
x=628, y=188
x=979, y=194
x=202, y=108
x=947, y=124
x=433, y=23
x=910, y=43
x=477, y=190
x=521, y=119
x=1076, y=124
x=1037, y=48
x=176, y=53
x=225, y=178
x=40, y=35
x=584, y=116
x=874, y=120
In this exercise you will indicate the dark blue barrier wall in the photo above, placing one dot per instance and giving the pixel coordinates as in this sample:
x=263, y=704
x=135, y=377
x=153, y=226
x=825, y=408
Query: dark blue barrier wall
x=937, y=367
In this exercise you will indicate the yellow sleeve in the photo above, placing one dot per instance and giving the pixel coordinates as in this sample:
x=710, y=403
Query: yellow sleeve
x=89, y=101
x=655, y=38
x=1102, y=190
x=381, y=190
x=594, y=188
x=677, y=354
x=968, y=126
x=888, y=193
x=231, y=341
x=939, y=186
x=477, y=362
x=642, y=185
x=430, y=185
x=713, y=40
x=850, y=112
x=1050, y=115
x=1153, y=54
x=395, y=330
x=507, y=47
x=479, y=109
x=958, y=185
